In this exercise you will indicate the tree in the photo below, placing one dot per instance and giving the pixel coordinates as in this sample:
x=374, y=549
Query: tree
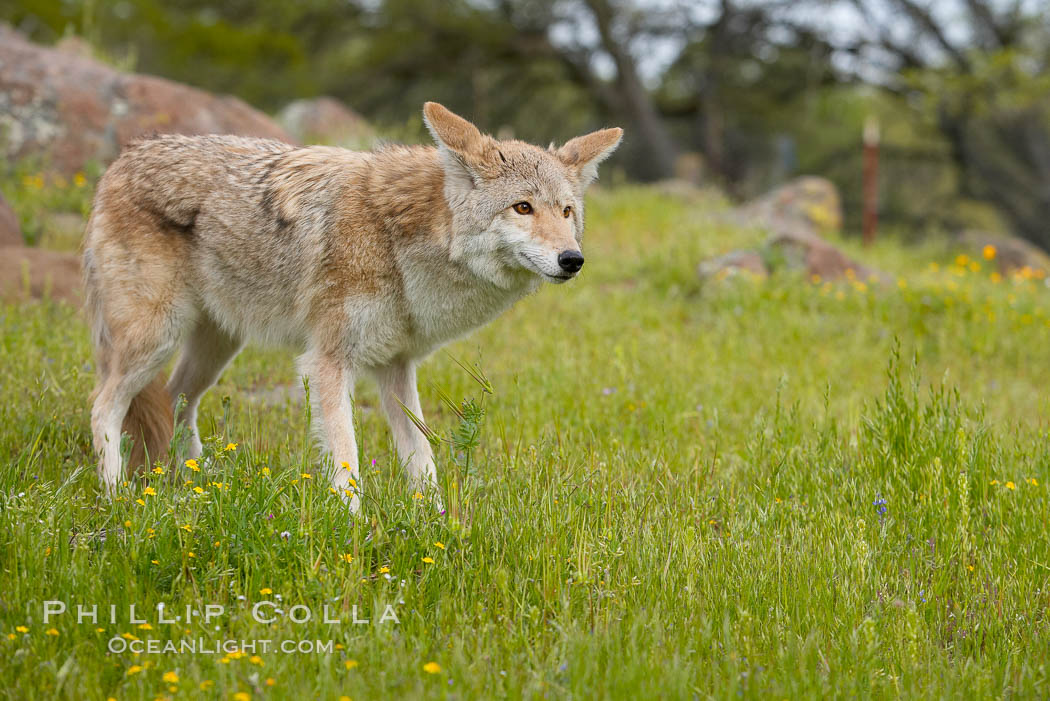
x=980, y=68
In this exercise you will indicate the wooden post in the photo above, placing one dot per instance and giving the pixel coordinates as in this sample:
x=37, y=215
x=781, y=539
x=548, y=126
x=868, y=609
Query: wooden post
x=871, y=179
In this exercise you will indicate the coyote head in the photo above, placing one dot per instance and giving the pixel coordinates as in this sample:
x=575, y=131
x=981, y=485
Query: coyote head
x=517, y=209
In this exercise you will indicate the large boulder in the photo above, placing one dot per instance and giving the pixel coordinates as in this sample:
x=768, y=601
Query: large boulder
x=1007, y=253
x=71, y=109
x=807, y=252
x=733, y=263
x=10, y=231
x=795, y=216
x=326, y=120
x=35, y=273
x=807, y=201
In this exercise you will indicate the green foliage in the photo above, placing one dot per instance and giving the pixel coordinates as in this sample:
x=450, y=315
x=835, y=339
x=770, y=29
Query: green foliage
x=36, y=195
x=759, y=489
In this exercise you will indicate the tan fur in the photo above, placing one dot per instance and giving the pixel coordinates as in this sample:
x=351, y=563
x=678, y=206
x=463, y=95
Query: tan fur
x=365, y=262
x=149, y=422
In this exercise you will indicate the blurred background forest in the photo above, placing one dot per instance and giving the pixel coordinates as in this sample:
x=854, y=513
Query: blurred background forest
x=730, y=93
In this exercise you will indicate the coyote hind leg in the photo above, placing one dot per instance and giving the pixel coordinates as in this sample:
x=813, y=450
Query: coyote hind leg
x=128, y=375
x=207, y=351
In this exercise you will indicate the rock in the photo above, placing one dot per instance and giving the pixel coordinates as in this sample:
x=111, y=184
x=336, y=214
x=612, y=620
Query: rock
x=70, y=109
x=806, y=201
x=10, y=231
x=48, y=274
x=733, y=263
x=801, y=250
x=1010, y=253
x=326, y=120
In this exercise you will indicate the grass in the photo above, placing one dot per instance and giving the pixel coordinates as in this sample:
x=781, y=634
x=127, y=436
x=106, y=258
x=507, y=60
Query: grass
x=743, y=489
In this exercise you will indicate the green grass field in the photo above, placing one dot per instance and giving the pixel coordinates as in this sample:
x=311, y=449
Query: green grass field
x=771, y=489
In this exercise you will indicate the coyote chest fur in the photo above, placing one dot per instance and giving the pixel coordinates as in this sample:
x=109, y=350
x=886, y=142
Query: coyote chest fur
x=364, y=262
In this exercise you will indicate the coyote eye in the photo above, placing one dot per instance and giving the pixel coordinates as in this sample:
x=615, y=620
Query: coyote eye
x=567, y=211
x=523, y=208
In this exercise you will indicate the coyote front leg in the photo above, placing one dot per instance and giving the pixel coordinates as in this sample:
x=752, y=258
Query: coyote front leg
x=397, y=386
x=331, y=383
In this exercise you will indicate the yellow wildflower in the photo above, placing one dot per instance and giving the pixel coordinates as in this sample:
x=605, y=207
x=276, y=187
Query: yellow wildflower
x=428, y=560
x=52, y=631
x=134, y=669
x=21, y=629
x=192, y=464
x=432, y=668
x=149, y=491
x=439, y=544
x=231, y=446
x=265, y=591
x=171, y=677
x=350, y=664
x=988, y=252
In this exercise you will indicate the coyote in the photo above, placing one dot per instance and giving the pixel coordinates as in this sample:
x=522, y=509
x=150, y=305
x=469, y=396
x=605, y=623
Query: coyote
x=365, y=262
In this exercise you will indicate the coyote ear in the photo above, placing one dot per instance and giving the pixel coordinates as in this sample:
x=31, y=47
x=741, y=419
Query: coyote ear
x=463, y=147
x=584, y=153
x=452, y=131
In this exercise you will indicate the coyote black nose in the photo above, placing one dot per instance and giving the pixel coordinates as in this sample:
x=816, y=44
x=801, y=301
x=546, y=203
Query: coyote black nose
x=570, y=261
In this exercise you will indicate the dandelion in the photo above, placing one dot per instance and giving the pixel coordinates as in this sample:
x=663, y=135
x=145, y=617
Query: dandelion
x=270, y=681
x=266, y=591
x=140, y=502
x=350, y=664
x=79, y=180
x=265, y=471
x=206, y=684
x=187, y=527
x=134, y=669
x=129, y=636
x=994, y=482
x=417, y=496
x=52, y=632
x=1032, y=481
x=149, y=491
x=21, y=629
x=439, y=544
x=1011, y=485
x=432, y=668
x=127, y=524
x=428, y=560
x=171, y=678
x=988, y=252
x=242, y=696
x=256, y=660
x=345, y=465
x=384, y=570
x=155, y=562
x=158, y=470
x=190, y=554
x=230, y=447
x=145, y=626
x=347, y=558
x=192, y=464
x=198, y=490
x=307, y=476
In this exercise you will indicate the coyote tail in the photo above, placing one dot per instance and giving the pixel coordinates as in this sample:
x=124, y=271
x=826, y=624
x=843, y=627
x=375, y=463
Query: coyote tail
x=150, y=418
